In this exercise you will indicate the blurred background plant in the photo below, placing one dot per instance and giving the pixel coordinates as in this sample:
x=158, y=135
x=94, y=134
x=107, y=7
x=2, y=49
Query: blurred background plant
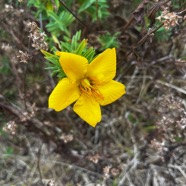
x=60, y=17
x=141, y=138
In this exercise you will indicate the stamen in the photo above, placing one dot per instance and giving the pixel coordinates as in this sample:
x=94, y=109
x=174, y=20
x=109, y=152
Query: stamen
x=89, y=88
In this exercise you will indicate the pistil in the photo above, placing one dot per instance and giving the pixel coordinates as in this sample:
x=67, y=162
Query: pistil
x=89, y=87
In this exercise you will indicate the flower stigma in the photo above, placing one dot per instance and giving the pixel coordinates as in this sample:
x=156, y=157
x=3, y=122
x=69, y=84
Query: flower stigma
x=89, y=88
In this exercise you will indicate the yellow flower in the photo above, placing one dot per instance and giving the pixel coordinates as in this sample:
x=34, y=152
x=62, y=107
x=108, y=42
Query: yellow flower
x=89, y=84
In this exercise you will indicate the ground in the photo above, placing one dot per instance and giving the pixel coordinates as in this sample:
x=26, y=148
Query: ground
x=141, y=140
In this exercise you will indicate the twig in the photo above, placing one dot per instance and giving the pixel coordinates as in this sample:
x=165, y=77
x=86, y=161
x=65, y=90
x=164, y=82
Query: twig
x=132, y=19
x=172, y=86
x=38, y=165
x=62, y=2
x=141, y=41
x=131, y=166
x=178, y=168
x=11, y=32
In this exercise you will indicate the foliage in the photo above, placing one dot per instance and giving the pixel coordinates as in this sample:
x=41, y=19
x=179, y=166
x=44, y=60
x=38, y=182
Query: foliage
x=162, y=34
x=98, y=10
x=75, y=46
x=53, y=64
x=59, y=23
x=43, y=6
x=69, y=45
x=60, y=18
x=4, y=66
x=108, y=40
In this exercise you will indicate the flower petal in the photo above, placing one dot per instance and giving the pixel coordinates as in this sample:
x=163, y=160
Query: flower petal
x=88, y=109
x=74, y=66
x=63, y=95
x=103, y=65
x=111, y=91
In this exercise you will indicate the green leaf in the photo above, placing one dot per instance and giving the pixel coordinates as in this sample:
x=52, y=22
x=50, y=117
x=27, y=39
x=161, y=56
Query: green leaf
x=59, y=22
x=81, y=47
x=56, y=3
x=85, y=5
x=53, y=64
x=89, y=54
x=132, y=119
x=109, y=41
x=5, y=65
x=75, y=40
x=162, y=34
x=179, y=139
x=150, y=128
x=40, y=5
x=49, y=6
x=98, y=10
x=49, y=55
x=73, y=45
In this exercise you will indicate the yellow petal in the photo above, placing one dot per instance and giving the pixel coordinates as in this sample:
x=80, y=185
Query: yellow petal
x=111, y=91
x=74, y=66
x=88, y=109
x=103, y=65
x=63, y=95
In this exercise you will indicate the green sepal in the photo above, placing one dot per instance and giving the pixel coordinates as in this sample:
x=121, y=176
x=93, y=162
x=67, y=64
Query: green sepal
x=89, y=54
x=74, y=46
x=81, y=47
x=53, y=64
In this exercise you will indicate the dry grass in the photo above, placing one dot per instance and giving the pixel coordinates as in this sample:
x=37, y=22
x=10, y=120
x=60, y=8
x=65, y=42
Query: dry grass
x=141, y=138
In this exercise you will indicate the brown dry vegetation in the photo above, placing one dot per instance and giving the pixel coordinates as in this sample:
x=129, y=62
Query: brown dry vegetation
x=141, y=140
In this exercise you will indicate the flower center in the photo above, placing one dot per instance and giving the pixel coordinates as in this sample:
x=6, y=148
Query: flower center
x=89, y=88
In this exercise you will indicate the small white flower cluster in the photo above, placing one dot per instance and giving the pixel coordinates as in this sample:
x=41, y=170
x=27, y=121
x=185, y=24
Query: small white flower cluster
x=8, y=8
x=67, y=137
x=169, y=19
x=6, y=47
x=37, y=37
x=10, y=127
x=94, y=158
x=23, y=56
x=51, y=183
x=171, y=124
x=27, y=115
x=106, y=171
